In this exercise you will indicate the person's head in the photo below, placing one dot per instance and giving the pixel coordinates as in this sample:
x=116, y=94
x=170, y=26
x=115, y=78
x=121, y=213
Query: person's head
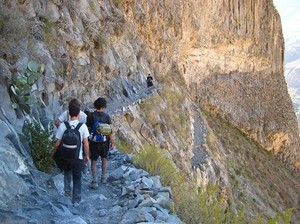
x=74, y=102
x=74, y=110
x=86, y=111
x=100, y=103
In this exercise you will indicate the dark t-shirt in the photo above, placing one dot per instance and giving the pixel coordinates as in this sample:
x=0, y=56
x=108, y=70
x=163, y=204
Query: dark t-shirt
x=97, y=116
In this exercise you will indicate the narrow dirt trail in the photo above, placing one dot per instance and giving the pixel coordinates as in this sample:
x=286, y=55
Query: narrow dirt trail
x=199, y=137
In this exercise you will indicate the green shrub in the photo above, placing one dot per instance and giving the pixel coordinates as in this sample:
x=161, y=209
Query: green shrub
x=21, y=91
x=41, y=141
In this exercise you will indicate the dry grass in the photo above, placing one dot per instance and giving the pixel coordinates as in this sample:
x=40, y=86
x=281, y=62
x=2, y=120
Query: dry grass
x=150, y=108
x=176, y=119
x=124, y=146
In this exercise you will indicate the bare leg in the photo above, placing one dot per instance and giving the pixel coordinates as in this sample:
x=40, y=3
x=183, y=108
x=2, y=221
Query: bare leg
x=94, y=169
x=104, y=166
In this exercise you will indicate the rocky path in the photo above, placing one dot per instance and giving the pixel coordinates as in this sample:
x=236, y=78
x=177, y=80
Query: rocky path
x=129, y=196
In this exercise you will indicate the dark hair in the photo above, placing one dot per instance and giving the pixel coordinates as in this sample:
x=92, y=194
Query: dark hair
x=74, y=110
x=86, y=111
x=74, y=102
x=100, y=103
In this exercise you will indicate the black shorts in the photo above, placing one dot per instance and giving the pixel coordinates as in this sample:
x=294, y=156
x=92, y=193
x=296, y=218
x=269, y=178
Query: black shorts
x=98, y=149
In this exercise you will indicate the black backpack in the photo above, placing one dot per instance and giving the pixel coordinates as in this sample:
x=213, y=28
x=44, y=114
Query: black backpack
x=70, y=142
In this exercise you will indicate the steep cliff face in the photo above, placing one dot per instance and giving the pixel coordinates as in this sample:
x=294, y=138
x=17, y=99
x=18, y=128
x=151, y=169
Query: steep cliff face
x=231, y=55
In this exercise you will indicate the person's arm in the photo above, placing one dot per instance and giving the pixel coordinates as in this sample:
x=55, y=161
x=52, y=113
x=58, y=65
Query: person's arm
x=56, y=146
x=59, y=134
x=111, y=140
x=86, y=150
x=63, y=117
x=57, y=122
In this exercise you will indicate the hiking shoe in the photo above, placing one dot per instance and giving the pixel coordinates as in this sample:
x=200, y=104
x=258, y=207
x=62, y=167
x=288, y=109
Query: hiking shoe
x=67, y=194
x=85, y=169
x=103, y=180
x=93, y=185
x=76, y=204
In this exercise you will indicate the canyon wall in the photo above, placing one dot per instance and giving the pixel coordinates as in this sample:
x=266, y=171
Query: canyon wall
x=231, y=56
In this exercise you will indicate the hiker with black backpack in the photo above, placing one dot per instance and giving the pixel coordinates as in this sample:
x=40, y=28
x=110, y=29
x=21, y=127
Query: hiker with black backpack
x=101, y=139
x=66, y=117
x=71, y=140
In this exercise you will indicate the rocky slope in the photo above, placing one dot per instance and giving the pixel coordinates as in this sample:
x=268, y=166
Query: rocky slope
x=229, y=58
x=292, y=71
x=130, y=195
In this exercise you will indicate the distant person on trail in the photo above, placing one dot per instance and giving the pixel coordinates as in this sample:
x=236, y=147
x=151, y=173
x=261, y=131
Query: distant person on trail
x=149, y=81
x=74, y=166
x=99, y=143
x=65, y=115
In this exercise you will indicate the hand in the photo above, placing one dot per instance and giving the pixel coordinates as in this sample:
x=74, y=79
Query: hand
x=112, y=145
x=52, y=152
x=86, y=159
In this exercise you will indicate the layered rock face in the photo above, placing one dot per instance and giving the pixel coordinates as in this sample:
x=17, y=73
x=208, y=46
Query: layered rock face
x=229, y=52
x=231, y=55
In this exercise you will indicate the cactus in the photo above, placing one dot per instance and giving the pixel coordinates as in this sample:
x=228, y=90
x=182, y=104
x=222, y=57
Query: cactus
x=21, y=90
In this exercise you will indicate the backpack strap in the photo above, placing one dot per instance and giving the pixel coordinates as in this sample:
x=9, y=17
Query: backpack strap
x=67, y=124
x=78, y=126
x=93, y=115
x=94, y=120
